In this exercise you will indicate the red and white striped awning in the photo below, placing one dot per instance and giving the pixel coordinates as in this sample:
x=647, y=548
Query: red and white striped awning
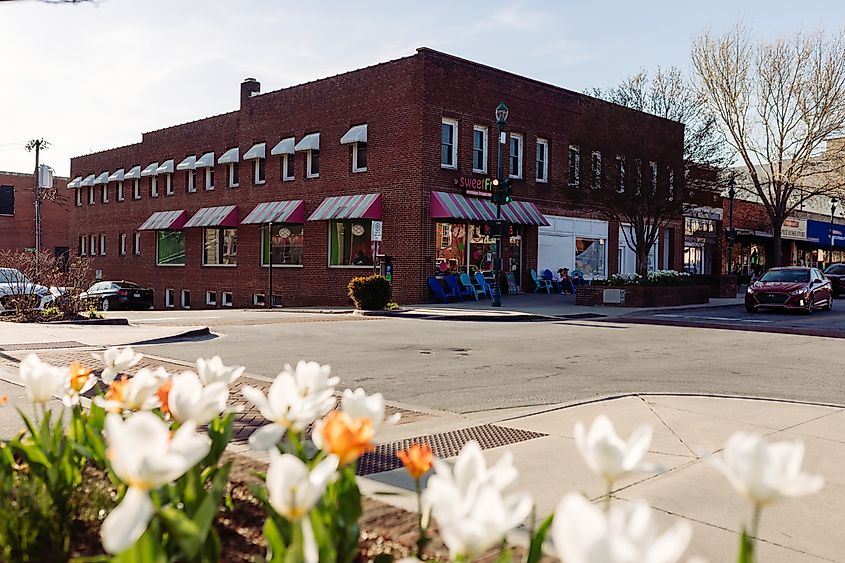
x=456, y=206
x=164, y=220
x=365, y=206
x=523, y=213
x=223, y=216
x=277, y=212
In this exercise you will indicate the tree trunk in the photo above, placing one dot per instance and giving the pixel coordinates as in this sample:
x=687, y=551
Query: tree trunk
x=642, y=260
x=777, y=244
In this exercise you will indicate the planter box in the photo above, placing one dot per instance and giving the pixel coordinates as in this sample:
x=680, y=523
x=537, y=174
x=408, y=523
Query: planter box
x=720, y=286
x=642, y=296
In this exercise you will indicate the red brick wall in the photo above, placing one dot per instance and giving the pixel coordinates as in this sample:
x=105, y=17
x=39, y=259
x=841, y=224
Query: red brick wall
x=17, y=232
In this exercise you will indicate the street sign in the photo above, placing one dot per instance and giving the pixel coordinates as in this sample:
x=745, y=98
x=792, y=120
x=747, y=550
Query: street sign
x=45, y=176
x=376, y=231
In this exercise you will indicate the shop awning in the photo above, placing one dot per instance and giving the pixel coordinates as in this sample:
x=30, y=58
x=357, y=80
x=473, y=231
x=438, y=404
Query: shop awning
x=277, y=212
x=164, y=220
x=150, y=170
x=285, y=146
x=365, y=206
x=230, y=156
x=117, y=176
x=257, y=151
x=102, y=179
x=206, y=160
x=223, y=216
x=309, y=143
x=188, y=164
x=75, y=183
x=456, y=206
x=357, y=134
x=523, y=213
x=88, y=181
x=133, y=174
x=166, y=167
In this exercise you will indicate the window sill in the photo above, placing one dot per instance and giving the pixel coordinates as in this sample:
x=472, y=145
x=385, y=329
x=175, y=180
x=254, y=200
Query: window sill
x=358, y=170
x=448, y=166
x=209, y=189
x=284, y=266
x=260, y=183
x=312, y=176
x=352, y=267
x=512, y=177
x=234, y=185
x=291, y=179
x=539, y=181
x=477, y=171
x=219, y=265
x=170, y=265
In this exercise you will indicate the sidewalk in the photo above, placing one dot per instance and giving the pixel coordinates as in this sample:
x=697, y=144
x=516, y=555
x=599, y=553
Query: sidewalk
x=16, y=336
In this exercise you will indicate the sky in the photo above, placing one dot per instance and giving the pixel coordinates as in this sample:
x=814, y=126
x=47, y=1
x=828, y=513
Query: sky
x=96, y=75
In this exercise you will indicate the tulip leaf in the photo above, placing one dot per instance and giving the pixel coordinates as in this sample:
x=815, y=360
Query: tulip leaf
x=535, y=551
x=183, y=529
x=275, y=543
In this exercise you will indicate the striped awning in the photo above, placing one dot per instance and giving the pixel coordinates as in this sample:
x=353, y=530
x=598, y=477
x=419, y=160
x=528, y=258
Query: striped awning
x=523, y=213
x=456, y=206
x=277, y=212
x=164, y=220
x=365, y=206
x=223, y=216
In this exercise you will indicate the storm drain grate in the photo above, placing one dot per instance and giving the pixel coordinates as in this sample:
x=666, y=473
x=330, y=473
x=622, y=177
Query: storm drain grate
x=443, y=445
x=42, y=345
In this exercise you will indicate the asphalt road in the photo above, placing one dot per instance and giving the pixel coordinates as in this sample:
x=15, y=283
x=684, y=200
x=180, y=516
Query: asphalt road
x=472, y=366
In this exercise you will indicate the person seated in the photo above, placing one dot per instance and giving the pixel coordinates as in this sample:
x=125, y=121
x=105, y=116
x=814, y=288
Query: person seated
x=565, y=281
x=362, y=259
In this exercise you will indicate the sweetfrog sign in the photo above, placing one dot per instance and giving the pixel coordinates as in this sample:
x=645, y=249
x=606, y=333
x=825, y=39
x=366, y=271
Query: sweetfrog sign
x=482, y=187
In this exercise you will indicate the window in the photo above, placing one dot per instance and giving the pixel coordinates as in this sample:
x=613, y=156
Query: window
x=169, y=296
x=448, y=143
x=542, y=160
x=191, y=180
x=227, y=298
x=639, y=171
x=136, y=245
x=349, y=243
x=220, y=247
x=153, y=186
x=285, y=244
x=671, y=184
x=120, y=195
x=91, y=196
x=479, y=149
x=7, y=200
x=258, y=171
x=122, y=245
x=136, y=188
x=313, y=164
x=92, y=245
x=211, y=298
x=233, y=175
x=287, y=167
x=170, y=248
x=596, y=170
x=451, y=249
x=83, y=245
x=259, y=300
x=589, y=257
x=652, y=166
x=515, y=155
x=78, y=197
x=620, y=174
x=186, y=299
x=359, y=157
x=209, y=178
x=574, y=166
x=168, y=183
x=105, y=194
x=102, y=245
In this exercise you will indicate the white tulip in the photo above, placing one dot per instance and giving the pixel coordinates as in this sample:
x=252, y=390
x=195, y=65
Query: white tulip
x=188, y=399
x=138, y=393
x=582, y=533
x=472, y=511
x=766, y=472
x=42, y=381
x=117, y=361
x=144, y=456
x=357, y=404
x=77, y=381
x=608, y=455
x=212, y=370
x=295, y=400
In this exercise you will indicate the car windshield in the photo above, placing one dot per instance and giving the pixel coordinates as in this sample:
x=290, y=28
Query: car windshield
x=786, y=276
x=835, y=269
x=127, y=285
x=12, y=277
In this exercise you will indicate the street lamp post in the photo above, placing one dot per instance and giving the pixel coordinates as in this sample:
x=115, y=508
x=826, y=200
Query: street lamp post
x=833, y=202
x=501, y=121
x=731, y=195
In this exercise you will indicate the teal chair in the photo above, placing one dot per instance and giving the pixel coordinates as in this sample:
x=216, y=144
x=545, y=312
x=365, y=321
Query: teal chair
x=466, y=281
x=482, y=283
x=540, y=283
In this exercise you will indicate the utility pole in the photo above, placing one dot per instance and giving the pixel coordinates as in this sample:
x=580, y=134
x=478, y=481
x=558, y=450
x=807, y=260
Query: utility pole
x=37, y=145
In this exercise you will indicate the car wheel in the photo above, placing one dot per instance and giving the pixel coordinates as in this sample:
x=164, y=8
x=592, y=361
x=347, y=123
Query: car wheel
x=811, y=305
x=750, y=309
x=104, y=306
x=829, y=305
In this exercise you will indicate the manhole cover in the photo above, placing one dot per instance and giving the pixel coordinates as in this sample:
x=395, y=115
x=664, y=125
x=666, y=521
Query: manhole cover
x=42, y=345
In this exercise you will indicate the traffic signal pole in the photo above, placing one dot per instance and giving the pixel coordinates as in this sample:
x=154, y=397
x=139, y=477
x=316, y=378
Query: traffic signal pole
x=497, y=233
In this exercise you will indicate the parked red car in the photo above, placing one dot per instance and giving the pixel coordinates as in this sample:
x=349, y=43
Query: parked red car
x=799, y=288
x=836, y=274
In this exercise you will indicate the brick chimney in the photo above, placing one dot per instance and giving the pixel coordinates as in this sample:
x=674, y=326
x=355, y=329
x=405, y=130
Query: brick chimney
x=249, y=88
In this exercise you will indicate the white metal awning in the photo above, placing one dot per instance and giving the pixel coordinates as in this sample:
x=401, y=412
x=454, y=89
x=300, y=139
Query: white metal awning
x=150, y=170
x=230, y=156
x=117, y=176
x=188, y=164
x=166, y=167
x=357, y=134
x=257, y=151
x=75, y=183
x=206, y=160
x=102, y=178
x=88, y=181
x=309, y=143
x=285, y=146
x=133, y=174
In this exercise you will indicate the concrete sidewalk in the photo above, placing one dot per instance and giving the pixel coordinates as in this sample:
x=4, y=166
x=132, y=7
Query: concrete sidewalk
x=43, y=335
x=686, y=430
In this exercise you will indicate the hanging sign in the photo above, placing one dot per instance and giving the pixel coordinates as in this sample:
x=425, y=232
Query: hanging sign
x=375, y=232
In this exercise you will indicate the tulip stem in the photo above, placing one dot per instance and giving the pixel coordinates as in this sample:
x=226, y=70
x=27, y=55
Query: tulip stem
x=755, y=527
x=421, y=541
x=607, y=496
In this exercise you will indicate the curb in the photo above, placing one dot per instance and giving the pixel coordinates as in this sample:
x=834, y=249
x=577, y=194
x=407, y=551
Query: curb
x=814, y=332
x=95, y=322
x=515, y=317
x=203, y=333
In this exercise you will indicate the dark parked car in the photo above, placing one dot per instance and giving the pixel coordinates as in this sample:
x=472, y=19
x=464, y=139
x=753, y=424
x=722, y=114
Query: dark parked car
x=109, y=295
x=836, y=274
x=800, y=288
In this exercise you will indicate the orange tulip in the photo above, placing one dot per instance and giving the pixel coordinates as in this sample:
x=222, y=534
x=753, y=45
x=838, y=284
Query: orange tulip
x=3, y=399
x=117, y=390
x=346, y=437
x=416, y=459
x=163, y=393
x=79, y=376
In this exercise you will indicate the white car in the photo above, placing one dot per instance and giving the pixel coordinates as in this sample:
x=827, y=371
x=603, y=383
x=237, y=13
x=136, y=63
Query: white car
x=14, y=284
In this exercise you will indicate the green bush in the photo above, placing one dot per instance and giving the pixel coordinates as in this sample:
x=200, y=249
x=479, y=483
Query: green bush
x=371, y=293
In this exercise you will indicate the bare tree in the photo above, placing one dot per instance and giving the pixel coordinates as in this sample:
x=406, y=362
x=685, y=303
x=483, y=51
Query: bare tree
x=779, y=103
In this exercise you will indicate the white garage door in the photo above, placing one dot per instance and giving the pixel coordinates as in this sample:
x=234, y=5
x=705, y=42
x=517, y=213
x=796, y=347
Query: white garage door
x=556, y=243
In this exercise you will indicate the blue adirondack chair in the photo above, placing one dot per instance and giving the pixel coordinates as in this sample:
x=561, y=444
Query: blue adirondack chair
x=439, y=291
x=454, y=285
x=466, y=281
x=540, y=283
x=550, y=277
x=482, y=283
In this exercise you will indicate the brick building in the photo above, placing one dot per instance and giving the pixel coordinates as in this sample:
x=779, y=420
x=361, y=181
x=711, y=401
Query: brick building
x=17, y=214
x=411, y=143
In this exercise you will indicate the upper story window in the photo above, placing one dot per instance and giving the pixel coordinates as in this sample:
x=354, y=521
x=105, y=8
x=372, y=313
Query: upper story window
x=542, y=160
x=479, y=149
x=120, y=195
x=258, y=171
x=357, y=137
x=7, y=200
x=168, y=183
x=515, y=155
x=92, y=244
x=136, y=189
x=638, y=164
x=596, y=170
x=312, y=163
x=286, y=151
x=91, y=195
x=122, y=244
x=153, y=186
x=288, y=168
x=209, y=178
x=234, y=180
x=105, y=194
x=448, y=143
x=191, y=180
x=652, y=166
x=231, y=158
x=620, y=174
x=136, y=244
x=204, y=166
x=671, y=184
x=78, y=196
x=83, y=245
x=574, y=166
x=311, y=145
x=102, y=245
x=257, y=153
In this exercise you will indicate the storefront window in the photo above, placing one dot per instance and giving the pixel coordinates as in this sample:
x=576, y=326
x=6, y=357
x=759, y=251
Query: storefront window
x=694, y=259
x=589, y=257
x=451, y=247
x=350, y=243
x=170, y=248
x=220, y=247
x=286, y=243
x=694, y=225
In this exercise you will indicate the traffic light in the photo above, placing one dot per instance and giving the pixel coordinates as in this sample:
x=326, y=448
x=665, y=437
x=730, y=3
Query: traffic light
x=506, y=195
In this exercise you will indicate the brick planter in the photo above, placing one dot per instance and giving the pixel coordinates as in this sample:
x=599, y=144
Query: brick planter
x=720, y=286
x=642, y=296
